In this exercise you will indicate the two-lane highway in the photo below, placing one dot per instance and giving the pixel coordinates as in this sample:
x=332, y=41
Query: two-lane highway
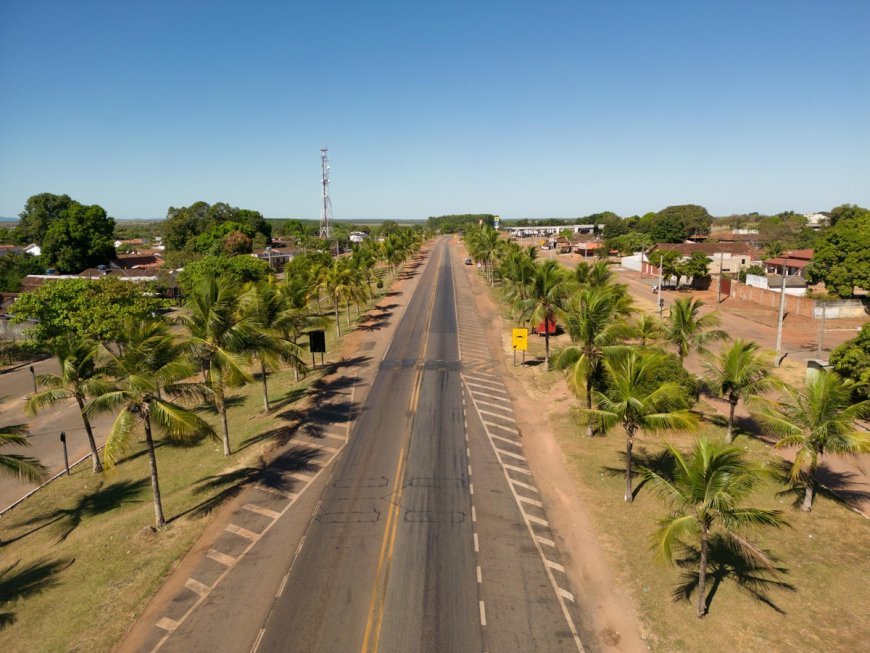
x=426, y=533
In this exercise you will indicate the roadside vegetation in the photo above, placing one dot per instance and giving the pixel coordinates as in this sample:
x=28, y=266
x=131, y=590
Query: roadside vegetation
x=82, y=556
x=718, y=512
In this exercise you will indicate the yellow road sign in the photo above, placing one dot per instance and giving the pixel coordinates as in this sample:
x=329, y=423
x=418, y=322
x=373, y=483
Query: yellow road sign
x=520, y=338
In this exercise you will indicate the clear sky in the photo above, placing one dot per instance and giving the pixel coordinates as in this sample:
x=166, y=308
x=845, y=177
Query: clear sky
x=524, y=109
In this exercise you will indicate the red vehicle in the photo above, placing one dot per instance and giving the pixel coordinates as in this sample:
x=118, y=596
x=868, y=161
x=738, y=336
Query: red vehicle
x=541, y=329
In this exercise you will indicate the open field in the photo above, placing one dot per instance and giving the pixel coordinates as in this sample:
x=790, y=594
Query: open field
x=79, y=560
x=822, y=605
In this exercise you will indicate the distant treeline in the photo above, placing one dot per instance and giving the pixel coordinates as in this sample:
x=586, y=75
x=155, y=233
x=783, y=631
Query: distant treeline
x=450, y=223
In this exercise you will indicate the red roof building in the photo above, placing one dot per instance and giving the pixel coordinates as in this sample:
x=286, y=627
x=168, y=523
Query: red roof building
x=793, y=262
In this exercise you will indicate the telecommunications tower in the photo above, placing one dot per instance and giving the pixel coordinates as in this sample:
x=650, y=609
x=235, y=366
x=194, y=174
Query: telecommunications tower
x=326, y=208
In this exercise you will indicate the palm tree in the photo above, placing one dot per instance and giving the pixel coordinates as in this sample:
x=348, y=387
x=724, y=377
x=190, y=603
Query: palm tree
x=740, y=370
x=149, y=375
x=686, y=329
x=24, y=468
x=265, y=305
x=219, y=337
x=337, y=282
x=594, y=323
x=635, y=402
x=547, y=298
x=484, y=245
x=817, y=420
x=704, y=491
x=78, y=379
x=297, y=316
x=647, y=330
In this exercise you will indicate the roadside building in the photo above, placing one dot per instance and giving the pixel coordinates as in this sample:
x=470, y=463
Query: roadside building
x=725, y=257
x=793, y=262
x=276, y=257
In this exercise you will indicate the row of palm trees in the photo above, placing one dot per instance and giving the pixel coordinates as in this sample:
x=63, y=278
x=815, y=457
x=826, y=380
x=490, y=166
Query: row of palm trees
x=165, y=369
x=618, y=363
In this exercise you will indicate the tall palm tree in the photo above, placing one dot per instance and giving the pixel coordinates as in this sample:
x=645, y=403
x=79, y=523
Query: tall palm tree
x=265, y=305
x=635, y=402
x=79, y=379
x=686, y=329
x=338, y=283
x=484, y=245
x=817, y=420
x=219, y=337
x=547, y=297
x=704, y=491
x=149, y=387
x=24, y=468
x=739, y=370
x=297, y=316
x=595, y=325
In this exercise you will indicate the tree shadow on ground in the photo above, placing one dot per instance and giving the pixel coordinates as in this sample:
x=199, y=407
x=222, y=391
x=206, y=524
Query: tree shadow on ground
x=838, y=486
x=659, y=462
x=101, y=500
x=729, y=563
x=19, y=582
x=273, y=476
x=232, y=401
x=290, y=397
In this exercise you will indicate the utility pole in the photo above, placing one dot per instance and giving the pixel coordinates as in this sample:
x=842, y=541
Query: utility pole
x=661, y=290
x=326, y=206
x=779, y=321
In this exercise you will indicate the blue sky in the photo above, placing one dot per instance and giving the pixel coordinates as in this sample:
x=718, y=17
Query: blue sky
x=525, y=109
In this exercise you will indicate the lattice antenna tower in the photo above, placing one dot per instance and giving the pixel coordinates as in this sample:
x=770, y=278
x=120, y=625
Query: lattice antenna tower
x=326, y=208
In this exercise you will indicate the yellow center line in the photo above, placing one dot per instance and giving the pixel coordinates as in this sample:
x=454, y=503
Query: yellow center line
x=379, y=587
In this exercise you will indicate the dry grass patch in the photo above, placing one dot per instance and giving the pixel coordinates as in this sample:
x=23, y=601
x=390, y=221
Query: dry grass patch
x=825, y=553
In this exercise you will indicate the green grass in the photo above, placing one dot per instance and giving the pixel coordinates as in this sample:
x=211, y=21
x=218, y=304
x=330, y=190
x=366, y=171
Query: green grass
x=79, y=560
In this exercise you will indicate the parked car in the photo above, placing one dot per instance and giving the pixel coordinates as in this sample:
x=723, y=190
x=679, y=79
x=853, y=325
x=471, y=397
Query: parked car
x=468, y=261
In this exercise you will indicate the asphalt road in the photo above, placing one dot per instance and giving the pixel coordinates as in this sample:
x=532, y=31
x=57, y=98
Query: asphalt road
x=392, y=560
x=44, y=428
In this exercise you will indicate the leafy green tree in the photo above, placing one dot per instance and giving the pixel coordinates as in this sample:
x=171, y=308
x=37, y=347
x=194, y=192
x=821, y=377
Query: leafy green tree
x=214, y=241
x=851, y=360
x=484, y=245
x=237, y=270
x=686, y=329
x=696, y=267
x=636, y=404
x=79, y=379
x=668, y=261
x=548, y=294
x=40, y=211
x=740, y=370
x=87, y=308
x=817, y=420
x=24, y=468
x=219, y=337
x=705, y=491
x=82, y=237
x=14, y=267
x=184, y=225
x=842, y=256
x=149, y=391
